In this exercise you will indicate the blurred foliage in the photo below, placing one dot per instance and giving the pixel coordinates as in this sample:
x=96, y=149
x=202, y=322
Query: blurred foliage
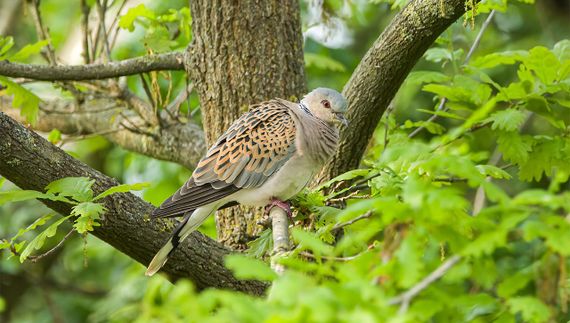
x=486, y=180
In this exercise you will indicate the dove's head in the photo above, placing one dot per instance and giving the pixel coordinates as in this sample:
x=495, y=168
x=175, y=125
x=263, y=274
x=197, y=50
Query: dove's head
x=327, y=105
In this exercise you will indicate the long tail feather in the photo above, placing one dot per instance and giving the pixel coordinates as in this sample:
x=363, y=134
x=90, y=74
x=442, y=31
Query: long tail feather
x=190, y=223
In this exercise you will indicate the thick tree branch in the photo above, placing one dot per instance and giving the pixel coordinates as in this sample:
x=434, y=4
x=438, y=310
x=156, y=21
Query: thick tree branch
x=143, y=64
x=177, y=142
x=383, y=69
x=31, y=162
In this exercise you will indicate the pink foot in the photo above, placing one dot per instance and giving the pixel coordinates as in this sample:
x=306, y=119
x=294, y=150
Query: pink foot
x=285, y=206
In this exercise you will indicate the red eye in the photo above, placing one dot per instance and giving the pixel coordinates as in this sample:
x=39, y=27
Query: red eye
x=326, y=104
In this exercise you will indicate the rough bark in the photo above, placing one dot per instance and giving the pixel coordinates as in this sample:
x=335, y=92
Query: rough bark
x=383, y=69
x=31, y=162
x=243, y=52
x=177, y=142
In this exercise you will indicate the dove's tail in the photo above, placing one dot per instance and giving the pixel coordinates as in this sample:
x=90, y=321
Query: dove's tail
x=190, y=223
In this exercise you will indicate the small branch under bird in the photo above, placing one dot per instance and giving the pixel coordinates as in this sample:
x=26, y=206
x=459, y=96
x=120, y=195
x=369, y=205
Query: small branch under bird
x=266, y=157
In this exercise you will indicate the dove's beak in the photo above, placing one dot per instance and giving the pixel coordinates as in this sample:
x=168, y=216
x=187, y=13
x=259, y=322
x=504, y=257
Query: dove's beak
x=341, y=119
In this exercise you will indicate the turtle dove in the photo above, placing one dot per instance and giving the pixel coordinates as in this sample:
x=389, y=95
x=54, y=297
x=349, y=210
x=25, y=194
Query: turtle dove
x=266, y=157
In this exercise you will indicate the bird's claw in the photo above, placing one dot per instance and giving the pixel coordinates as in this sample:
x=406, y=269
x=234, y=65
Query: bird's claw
x=285, y=206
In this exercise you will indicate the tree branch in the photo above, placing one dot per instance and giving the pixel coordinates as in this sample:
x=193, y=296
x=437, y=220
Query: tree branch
x=280, y=230
x=30, y=162
x=383, y=69
x=405, y=298
x=177, y=142
x=143, y=64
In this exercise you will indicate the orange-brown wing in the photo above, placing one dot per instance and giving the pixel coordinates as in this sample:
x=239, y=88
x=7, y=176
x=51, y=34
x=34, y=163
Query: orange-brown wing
x=255, y=146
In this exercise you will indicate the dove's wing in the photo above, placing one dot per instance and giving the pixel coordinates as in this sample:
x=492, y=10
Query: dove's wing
x=256, y=145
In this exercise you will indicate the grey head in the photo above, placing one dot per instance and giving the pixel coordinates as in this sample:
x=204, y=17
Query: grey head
x=327, y=105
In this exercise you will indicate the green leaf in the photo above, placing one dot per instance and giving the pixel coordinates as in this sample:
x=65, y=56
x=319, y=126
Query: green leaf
x=40, y=240
x=493, y=171
x=449, y=92
x=514, y=147
x=309, y=241
x=562, y=50
x=54, y=136
x=431, y=127
x=127, y=21
x=508, y=120
x=345, y=177
x=504, y=58
x=5, y=44
x=122, y=189
x=78, y=188
x=88, y=213
x=323, y=62
x=543, y=63
x=23, y=99
x=419, y=77
x=16, y=196
x=514, y=283
x=438, y=54
x=39, y=222
x=480, y=114
x=542, y=159
x=260, y=246
x=249, y=268
x=442, y=113
x=486, y=243
x=531, y=308
x=28, y=50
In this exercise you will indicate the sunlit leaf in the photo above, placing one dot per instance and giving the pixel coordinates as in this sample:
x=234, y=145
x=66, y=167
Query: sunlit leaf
x=249, y=268
x=122, y=189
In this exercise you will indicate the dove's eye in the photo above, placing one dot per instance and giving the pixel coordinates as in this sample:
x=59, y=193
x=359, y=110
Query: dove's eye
x=326, y=104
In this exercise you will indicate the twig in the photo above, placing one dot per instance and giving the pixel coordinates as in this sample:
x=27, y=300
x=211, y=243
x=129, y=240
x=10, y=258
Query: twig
x=353, y=195
x=72, y=138
x=117, y=29
x=52, y=307
x=472, y=49
x=34, y=6
x=280, y=231
x=85, y=24
x=480, y=196
x=101, y=9
x=479, y=36
x=449, y=179
x=440, y=107
x=135, y=128
x=49, y=252
x=341, y=259
x=148, y=92
x=143, y=64
x=173, y=108
x=341, y=225
x=142, y=108
x=405, y=298
x=389, y=110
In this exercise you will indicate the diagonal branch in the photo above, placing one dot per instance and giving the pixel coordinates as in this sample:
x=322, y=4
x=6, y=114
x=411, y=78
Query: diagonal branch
x=383, y=69
x=143, y=64
x=30, y=162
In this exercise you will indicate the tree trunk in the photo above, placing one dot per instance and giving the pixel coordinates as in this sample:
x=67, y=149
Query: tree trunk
x=243, y=52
